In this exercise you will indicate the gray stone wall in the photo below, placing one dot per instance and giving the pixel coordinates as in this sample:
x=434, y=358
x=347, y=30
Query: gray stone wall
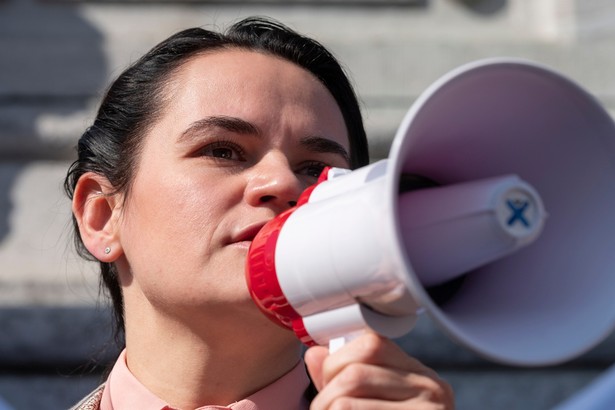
x=56, y=57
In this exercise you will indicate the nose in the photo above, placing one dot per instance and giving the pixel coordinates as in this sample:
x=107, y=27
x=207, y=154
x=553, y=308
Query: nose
x=273, y=183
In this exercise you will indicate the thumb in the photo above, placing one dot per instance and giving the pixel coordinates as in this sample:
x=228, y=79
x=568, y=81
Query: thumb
x=314, y=358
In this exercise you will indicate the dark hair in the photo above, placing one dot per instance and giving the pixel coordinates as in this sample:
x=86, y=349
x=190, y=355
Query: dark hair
x=112, y=144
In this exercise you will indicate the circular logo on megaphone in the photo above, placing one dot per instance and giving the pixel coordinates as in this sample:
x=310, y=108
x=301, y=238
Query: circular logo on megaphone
x=520, y=212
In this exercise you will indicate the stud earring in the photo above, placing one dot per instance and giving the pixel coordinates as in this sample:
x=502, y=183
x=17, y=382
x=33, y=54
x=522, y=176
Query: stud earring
x=107, y=250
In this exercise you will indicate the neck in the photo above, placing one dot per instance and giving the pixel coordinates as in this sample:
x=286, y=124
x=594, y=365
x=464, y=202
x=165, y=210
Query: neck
x=218, y=362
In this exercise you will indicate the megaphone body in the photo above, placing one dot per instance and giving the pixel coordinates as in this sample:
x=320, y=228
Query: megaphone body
x=492, y=213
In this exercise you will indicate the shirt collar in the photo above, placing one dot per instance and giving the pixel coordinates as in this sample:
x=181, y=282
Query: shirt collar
x=124, y=391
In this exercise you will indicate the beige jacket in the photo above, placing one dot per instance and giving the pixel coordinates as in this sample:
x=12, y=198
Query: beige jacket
x=91, y=401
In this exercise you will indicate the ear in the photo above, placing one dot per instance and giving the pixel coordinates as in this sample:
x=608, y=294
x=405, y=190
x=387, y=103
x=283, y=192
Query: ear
x=97, y=210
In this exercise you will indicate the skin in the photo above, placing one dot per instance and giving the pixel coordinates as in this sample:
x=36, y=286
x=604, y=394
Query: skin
x=242, y=134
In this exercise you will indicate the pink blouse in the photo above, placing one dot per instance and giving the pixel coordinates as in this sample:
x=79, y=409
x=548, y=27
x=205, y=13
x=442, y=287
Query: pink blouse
x=124, y=391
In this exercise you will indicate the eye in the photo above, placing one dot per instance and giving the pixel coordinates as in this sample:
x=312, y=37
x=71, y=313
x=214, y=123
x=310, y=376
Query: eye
x=312, y=169
x=225, y=150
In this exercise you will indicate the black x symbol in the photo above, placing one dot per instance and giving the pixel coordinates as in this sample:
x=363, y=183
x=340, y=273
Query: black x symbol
x=518, y=208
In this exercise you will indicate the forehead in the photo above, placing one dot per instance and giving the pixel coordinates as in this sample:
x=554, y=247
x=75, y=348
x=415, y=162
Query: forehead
x=257, y=87
x=233, y=65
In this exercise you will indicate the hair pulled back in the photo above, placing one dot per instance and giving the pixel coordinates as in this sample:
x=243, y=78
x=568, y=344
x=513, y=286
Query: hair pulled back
x=111, y=145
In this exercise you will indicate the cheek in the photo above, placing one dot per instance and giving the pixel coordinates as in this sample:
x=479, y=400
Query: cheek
x=163, y=225
x=173, y=248
x=174, y=226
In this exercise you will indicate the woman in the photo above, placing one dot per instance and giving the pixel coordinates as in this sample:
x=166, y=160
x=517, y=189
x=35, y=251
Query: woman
x=194, y=148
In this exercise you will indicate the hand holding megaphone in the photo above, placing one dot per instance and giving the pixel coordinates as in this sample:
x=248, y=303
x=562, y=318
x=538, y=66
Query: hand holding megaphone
x=458, y=208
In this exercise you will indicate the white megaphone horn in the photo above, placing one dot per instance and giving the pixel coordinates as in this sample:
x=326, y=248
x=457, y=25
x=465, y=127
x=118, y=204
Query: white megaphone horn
x=453, y=223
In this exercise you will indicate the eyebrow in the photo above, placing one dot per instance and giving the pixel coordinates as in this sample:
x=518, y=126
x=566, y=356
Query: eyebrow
x=232, y=124
x=324, y=145
x=313, y=143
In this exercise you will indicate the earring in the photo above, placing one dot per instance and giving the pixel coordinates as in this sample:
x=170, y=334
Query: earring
x=107, y=250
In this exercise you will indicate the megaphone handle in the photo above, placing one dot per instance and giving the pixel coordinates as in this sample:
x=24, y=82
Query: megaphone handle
x=338, y=326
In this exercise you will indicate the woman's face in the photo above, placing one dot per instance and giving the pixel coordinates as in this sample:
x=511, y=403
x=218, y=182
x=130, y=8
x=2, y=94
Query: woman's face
x=241, y=136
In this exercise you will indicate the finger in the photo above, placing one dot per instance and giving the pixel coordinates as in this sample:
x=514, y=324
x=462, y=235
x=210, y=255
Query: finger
x=373, y=382
x=371, y=404
x=371, y=348
x=314, y=358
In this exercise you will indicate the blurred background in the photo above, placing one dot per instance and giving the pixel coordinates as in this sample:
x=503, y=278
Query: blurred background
x=56, y=58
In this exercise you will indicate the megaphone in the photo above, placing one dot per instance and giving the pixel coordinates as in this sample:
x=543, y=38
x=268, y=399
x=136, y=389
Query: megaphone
x=494, y=214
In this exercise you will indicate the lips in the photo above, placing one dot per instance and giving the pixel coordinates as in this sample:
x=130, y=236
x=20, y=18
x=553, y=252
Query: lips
x=247, y=233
